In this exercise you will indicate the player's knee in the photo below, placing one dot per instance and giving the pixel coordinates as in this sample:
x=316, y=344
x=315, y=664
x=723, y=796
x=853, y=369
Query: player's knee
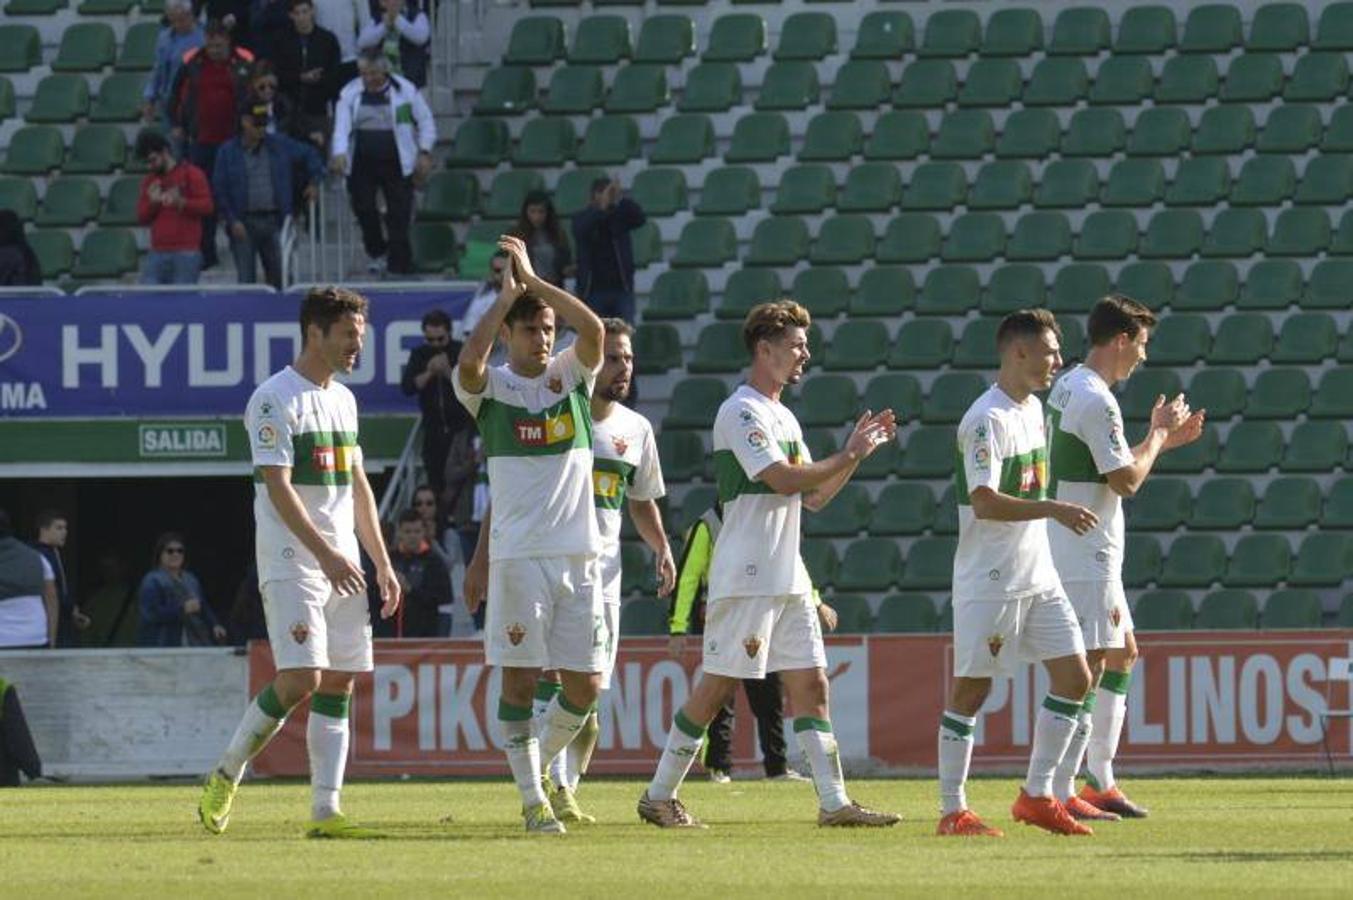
x=810, y=695
x=1076, y=680
x=968, y=695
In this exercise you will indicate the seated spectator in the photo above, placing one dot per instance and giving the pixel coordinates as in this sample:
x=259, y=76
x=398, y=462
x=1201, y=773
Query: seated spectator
x=344, y=19
x=400, y=30
x=383, y=139
x=423, y=577
x=252, y=184
x=18, y=263
x=546, y=244
x=28, y=604
x=264, y=95
x=182, y=35
x=174, y=612
x=174, y=199
x=308, y=60
x=601, y=232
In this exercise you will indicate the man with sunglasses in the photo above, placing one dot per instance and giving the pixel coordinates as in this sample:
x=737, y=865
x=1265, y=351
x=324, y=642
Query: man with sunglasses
x=428, y=374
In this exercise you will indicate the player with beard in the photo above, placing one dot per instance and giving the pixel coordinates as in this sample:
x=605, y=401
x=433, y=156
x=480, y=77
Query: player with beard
x=760, y=615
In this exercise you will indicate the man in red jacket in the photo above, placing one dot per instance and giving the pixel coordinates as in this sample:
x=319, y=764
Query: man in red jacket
x=174, y=199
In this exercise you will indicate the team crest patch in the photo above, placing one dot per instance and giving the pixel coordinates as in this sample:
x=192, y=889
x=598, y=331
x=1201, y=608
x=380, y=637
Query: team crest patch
x=995, y=643
x=620, y=444
x=515, y=633
x=300, y=632
x=1115, y=616
x=752, y=645
x=556, y=385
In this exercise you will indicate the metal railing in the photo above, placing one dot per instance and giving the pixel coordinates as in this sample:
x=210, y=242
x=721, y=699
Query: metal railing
x=404, y=479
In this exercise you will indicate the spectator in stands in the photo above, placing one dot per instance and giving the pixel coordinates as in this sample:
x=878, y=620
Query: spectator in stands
x=423, y=577
x=466, y=501
x=383, y=139
x=111, y=606
x=211, y=88
x=28, y=604
x=546, y=244
x=483, y=298
x=264, y=95
x=601, y=232
x=344, y=19
x=182, y=35
x=19, y=265
x=232, y=14
x=268, y=24
x=173, y=609
x=308, y=59
x=444, y=542
x=428, y=374
x=252, y=184
x=400, y=30
x=53, y=529
x=174, y=199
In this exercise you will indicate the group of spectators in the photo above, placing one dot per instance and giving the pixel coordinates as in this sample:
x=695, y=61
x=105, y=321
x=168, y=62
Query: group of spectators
x=248, y=107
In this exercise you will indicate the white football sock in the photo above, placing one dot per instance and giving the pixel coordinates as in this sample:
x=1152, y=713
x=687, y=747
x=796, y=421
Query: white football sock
x=559, y=726
x=824, y=759
x=326, y=738
x=683, y=744
x=1064, y=780
x=1053, y=728
x=955, y=756
x=262, y=719
x=523, y=752
x=1110, y=711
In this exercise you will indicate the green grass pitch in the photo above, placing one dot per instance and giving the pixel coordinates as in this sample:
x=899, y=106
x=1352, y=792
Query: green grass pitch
x=1253, y=836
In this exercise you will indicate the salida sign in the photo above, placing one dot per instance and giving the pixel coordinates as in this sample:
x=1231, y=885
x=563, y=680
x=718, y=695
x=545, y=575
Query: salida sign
x=1200, y=701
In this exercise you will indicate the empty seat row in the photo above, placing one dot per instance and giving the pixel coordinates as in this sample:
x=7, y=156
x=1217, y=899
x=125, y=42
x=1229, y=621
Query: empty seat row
x=105, y=253
x=84, y=47
x=1227, y=504
x=1171, y=609
x=94, y=150
x=64, y=98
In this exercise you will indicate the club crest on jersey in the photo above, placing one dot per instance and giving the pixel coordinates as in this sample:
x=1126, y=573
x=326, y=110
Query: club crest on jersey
x=516, y=632
x=994, y=644
x=543, y=432
x=752, y=645
x=299, y=632
x=620, y=444
x=1115, y=617
x=555, y=384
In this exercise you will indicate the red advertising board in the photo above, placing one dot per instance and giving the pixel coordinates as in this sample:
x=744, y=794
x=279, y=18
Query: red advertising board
x=1200, y=700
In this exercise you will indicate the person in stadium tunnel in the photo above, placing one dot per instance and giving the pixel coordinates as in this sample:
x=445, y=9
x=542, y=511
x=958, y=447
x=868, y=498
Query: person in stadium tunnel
x=53, y=531
x=174, y=609
x=28, y=604
x=605, y=264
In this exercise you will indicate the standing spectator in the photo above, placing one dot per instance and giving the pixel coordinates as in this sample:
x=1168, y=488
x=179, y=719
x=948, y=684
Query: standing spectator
x=344, y=20
x=53, y=529
x=428, y=374
x=28, y=604
x=268, y=24
x=111, y=606
x=252, y=184
x=483, y=298
x=441, y=538
x=174, y=199
x=546, y=244
x=383, y=139
x=210, y=90
x=173, y=611
x=266, y=98
x=19, y=265
x=233, y=16
x=175, y=41
x=400, y=30
x=423, y=577
x=308, y=60
x=601, y=232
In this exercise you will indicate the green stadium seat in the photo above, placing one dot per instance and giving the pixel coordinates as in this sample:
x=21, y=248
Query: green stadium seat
x=1291, y=129
x=745, y=289
x=1220, y=391
x=824, y=291
x=950, y=395
x=1163, y=610
x=1236, y=233
x=1334, y=31
x=860, y=84
x=1122, y=81
x=883, y=291
x=119, y=98
x=1324, y=559
x=1253, y=78
x=19, y=196
x=930, y=564
x=1290, y=503
x=682, y=454
x=1264, y=181
x=34, y=7
x=70, y=201
x=884, y=34
x=845, y=516
x=1279, y=26
x=119, y=208
x=1161, y=131
x=711, y=87
x=789, y=86
x=778, y=241
x=1306, y=338
x=1068, y=184
x=805, y=189
x=946, y=511
x=896, y=391
x=480, y=143
x=843, y=240
x=1316, y=447
x=20, y=48
x=1057, y=81
x=657, y=348
x=1073, y=339
x=1208, y=286
x=819, y=557
x=949, y=291
x=106, y=253
x=1141, y=560
x=1194, y=560
x=137, y=53
x=638, y=576
x=642, y=617
x=1080, y=31
x=1014, y=287
x=1259, y=560
x=1341, y=242
x=1146, y=29
x=759, y=137
x=1029, y=134
x=1317, y=78
x=1334, y=395
x=974, y=237
x=807, y=36
x=7, y=101
x=976, y=348
x=936, y=186
x=54, y=250
x=1241, y=339
x=870, y=564
x=1291, y=608
x=535, y=41
x=1077, y=287
x=678, y=294
x=1107, y=234
x=96, y=150
x=901, y=134
x=853, y=614
x=870, y=187
x=665, y=40
x=926, y=84
x=506, y=91
x=601, y=40
x=928, y=453
x=1141, y=390
x=1251, y=447
x=922, y=344
x=991, y=82
x=508, y=192
x=706, y=244
x=34, y=150
x=85, y=47
x=1187, y=79
x=909, y=238
x=695, y=401
x=857, y=346
x=1172, y=234
x=1279, y=394
x=906, y=614
x=661, y=192
x=1004, y=184
x=1162, y=504
x=1271, y=284
x=1300, y=232
x=1193, y=458
x=574, y=90
x=1223, y=504
x=1211, y=28
x=547, y=141
x=1134, y=182
x=638, y=88
x=1227, y=610
x=1339, y=505
x=832, y=137
x=698, y=500
x=1149, y=282
x=1327, y=181
x=1013, y=32
x=1224, y=130
x=60, y=98
x=740, y=37
x=573, y=190
x=729, y=191
x=434, y=247
x=951, y=33
x=684, y=139
x=1328, y=287
x=1095, y=132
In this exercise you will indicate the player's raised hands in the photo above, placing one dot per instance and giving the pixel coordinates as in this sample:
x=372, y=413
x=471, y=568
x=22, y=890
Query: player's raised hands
x=872, y=430
x=515, y=247
x=1169, y=415
x=1189, y=431
x=1077, y=518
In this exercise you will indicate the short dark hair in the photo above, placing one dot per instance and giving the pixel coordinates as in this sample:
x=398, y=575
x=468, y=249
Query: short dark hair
x=216, y=28
x=770, y=320
x=295, y=3
x=323, y=306
x=148, y=142
x=599, y=184
x=617, y=326
x=49, y=516
x=436, y=318
x=1025, y=323
x=1117, y=314
x=6, y=525
x=410, y=515
x=524, y=309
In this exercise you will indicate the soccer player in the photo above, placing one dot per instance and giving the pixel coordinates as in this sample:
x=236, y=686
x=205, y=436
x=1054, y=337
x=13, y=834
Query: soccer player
x=312, y=505
x=1008, y=604
x=760, y=614
x=1093, y=466
x=544, y=581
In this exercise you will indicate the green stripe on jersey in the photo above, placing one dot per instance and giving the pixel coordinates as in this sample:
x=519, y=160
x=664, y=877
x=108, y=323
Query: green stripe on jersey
x=611, y=479
x=1024, y=476
x=509, y=430
x=732, y=479
x=1071, y=457
x=320, y=458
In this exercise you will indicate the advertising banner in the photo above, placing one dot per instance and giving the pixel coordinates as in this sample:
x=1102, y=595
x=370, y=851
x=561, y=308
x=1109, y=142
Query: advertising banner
x=1199, y=700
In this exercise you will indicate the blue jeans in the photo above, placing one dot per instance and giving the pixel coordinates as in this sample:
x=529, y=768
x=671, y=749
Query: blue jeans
x=179, y=267
x=612, y=302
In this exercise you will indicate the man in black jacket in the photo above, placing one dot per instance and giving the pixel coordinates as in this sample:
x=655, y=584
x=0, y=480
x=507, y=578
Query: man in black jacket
x=51, y=543
x=428, y=374
x=308, y=59
x=601, y=233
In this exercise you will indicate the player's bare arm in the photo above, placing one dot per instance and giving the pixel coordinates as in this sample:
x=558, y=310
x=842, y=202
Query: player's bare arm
x=648, y=522
x=870, y=433
x=369, y=533
x=1166, y=420
x=575, y=313
x=998, y=507
x=343, y=573
x=473, y=362
x=476, y=585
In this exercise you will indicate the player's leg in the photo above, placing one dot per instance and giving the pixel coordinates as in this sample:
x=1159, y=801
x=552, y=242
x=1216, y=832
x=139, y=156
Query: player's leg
x=1111, y=709
x=576, y=640
x=547, y=688
x=1064, y=779
x=578, y=756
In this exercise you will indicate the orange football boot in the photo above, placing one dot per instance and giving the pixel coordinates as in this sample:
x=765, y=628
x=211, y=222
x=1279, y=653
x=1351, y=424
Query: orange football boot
x=1046, y=813
x=965, y=823
x=1113, y=801
x=1082, y=810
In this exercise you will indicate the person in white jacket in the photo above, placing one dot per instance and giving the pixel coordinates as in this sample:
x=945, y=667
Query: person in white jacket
x=383, y=138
